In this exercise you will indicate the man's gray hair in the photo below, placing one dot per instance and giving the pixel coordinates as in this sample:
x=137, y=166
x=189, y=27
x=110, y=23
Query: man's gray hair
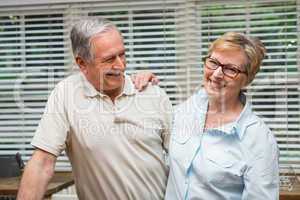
x=82, y=33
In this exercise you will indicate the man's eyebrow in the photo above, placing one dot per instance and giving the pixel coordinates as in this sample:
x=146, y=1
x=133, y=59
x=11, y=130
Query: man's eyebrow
x=107, y=57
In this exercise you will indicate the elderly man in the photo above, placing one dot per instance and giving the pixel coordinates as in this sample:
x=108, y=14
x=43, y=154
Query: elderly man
x=114, y=135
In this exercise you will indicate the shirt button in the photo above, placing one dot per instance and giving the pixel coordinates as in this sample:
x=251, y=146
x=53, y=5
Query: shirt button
x=116, y=108
x=187, y=161
x=186, y=180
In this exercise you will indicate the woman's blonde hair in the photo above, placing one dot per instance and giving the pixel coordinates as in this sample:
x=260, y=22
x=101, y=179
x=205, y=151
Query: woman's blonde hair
x=253, y=48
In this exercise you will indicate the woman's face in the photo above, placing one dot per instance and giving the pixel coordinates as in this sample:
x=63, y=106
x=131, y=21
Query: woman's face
x=220, y=86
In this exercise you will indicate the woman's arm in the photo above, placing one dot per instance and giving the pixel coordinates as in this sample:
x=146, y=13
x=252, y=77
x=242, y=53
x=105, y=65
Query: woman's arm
x=261, y=179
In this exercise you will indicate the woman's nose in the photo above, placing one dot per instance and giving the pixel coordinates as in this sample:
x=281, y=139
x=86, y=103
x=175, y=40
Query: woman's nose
x=218, y=72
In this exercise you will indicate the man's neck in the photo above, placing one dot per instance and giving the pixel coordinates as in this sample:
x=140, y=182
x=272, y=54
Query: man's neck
x=113, y=94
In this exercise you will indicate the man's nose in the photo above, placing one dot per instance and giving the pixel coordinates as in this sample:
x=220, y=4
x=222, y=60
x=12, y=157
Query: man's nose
x=119, y=63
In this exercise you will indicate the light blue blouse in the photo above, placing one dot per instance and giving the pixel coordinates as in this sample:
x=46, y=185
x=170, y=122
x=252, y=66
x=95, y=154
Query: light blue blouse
x=238, y=161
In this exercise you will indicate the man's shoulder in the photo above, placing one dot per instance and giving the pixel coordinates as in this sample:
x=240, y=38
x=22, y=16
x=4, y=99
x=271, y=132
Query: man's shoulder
x=153, y=97
x=152, y=90
x=69, y=81
x=72, y=78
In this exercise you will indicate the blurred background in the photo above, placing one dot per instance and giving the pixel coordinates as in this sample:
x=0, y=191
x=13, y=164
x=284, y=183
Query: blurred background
x=167, y=37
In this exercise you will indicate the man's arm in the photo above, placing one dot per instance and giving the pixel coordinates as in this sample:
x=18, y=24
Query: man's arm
x=36, y=176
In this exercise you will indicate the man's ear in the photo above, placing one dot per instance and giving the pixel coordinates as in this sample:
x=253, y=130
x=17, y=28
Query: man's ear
x=82, y=64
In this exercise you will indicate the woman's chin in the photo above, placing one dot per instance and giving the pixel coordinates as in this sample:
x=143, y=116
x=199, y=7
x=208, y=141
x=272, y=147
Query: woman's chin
x=215, y=93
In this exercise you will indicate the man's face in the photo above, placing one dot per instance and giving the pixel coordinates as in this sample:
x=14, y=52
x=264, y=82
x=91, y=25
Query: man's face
x=106, y=71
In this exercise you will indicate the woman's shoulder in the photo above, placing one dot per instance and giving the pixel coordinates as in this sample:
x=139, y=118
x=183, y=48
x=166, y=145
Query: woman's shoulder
x=258, y=138
x=195, y=102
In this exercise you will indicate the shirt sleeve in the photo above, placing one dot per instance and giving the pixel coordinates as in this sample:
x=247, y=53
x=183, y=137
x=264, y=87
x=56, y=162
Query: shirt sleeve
x=262, y=176
x=52, y=131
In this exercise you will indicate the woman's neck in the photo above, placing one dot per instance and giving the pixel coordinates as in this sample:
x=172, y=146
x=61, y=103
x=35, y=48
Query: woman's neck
x=221, y=112
x=223, y=106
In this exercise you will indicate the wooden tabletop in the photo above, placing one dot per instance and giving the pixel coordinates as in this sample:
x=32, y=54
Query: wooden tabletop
x=294, y=194
x=60, y=180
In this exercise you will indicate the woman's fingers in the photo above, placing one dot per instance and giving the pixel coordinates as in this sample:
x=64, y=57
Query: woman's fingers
x=142, y=79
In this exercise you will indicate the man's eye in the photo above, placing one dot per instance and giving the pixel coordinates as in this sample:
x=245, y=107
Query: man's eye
x=108, y=60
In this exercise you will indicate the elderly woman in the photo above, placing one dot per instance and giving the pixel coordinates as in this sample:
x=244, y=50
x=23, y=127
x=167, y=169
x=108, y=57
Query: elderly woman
x=219, y=148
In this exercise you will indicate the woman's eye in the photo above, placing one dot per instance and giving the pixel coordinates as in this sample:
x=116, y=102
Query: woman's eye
x=230, y=70
x=213, y=63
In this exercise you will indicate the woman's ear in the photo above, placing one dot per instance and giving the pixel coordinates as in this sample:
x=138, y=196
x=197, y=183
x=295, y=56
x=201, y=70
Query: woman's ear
x=82, y=64
x=245, y=83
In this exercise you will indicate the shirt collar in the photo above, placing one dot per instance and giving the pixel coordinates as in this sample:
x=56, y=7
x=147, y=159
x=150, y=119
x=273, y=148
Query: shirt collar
x=90, y=91
x=129, y=88
x=244, y=120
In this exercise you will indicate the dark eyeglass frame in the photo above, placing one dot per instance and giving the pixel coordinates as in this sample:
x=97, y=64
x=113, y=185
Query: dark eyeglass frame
x=224, y=66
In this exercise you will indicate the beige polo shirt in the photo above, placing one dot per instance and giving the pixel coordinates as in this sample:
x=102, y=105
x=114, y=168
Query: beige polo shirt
x=116, y=149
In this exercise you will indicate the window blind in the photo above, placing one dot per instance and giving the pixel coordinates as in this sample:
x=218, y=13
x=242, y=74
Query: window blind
x=168, y=37
x=33, y=58
x=274, y=92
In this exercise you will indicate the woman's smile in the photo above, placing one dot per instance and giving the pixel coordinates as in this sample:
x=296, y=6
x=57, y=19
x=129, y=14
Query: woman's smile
x=216, y=84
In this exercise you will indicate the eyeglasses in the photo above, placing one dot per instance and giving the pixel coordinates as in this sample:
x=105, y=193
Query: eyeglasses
x=229, y=70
